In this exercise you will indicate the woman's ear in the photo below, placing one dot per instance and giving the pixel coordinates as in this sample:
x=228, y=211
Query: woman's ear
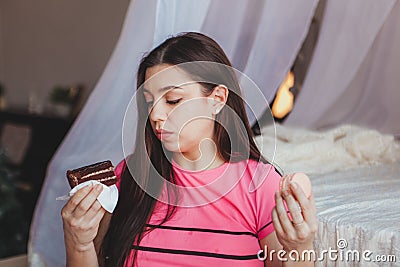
x=220, y=96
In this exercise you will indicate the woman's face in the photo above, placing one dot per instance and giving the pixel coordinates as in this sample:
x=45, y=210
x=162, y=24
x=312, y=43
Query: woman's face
x=180, y=114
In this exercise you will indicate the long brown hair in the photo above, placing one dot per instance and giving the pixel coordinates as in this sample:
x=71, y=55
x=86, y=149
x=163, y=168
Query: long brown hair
x=135, y=206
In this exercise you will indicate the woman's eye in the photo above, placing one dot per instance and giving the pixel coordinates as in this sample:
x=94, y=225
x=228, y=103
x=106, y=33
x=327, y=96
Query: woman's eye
x=174, y=102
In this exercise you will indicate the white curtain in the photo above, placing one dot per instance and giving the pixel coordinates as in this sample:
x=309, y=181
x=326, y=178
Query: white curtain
x=353, y=76
x=261, y=37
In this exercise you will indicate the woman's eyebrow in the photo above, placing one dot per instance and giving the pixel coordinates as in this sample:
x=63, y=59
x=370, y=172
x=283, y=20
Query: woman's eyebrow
x=163, y=89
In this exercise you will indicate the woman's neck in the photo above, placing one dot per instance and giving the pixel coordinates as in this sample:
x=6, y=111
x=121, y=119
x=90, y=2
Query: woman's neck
x=205, y=158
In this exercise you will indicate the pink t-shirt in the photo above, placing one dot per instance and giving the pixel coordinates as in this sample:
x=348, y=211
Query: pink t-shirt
x=225, y=232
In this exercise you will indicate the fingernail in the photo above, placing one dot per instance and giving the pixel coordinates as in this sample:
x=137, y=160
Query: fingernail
x=99, y=187
x=293, y=184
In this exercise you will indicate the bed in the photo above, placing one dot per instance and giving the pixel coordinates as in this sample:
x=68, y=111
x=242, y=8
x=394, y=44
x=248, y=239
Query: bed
x=355, y=174
x=359, y=210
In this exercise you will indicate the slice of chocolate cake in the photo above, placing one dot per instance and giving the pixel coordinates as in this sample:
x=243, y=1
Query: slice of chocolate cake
x=102, y=172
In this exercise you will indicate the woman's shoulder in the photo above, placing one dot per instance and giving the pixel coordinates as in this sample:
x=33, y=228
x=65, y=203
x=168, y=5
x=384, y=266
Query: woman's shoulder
x=257, y=172
x=257, y=166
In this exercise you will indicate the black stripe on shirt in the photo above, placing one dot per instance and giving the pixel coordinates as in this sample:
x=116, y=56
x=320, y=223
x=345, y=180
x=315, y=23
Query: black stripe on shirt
x=201, y=230
x=196, y=253
x=262, y=228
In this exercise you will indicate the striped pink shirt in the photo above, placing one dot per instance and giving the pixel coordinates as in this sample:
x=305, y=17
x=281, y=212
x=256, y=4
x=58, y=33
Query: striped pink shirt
x=225, y=232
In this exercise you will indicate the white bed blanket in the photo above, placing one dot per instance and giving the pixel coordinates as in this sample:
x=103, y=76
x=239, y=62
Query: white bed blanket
x=340, y=148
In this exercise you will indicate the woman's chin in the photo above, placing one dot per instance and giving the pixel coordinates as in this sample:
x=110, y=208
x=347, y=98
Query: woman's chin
x=170, y=147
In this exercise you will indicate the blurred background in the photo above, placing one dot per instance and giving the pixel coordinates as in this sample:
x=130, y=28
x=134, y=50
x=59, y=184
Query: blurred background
x=52, y=53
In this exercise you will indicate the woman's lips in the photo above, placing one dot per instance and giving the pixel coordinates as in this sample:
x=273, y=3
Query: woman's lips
x=163, y=134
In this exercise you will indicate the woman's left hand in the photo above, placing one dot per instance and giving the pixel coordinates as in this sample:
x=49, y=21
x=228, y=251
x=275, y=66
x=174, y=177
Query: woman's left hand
x=298, y=233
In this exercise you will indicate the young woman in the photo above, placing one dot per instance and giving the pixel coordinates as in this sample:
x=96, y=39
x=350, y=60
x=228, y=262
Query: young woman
x=184, y=192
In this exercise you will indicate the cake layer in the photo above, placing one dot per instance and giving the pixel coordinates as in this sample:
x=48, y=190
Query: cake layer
x=85, y=170
x=101, y=171
x=105, y=178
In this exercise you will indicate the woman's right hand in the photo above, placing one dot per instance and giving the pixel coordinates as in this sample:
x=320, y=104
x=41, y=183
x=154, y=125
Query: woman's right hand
x=81, y=218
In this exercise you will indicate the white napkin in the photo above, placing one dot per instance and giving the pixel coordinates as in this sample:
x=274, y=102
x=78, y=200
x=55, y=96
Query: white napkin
x=108, y=198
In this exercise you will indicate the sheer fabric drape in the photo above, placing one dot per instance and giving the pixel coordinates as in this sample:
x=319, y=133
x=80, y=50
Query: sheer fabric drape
x=353, y=76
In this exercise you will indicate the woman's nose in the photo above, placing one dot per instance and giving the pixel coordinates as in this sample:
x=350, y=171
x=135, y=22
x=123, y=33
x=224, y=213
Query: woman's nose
x=158, y=112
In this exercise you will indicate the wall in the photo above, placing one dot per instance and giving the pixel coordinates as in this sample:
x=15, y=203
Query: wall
x=44, y=43
x=1, y=43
